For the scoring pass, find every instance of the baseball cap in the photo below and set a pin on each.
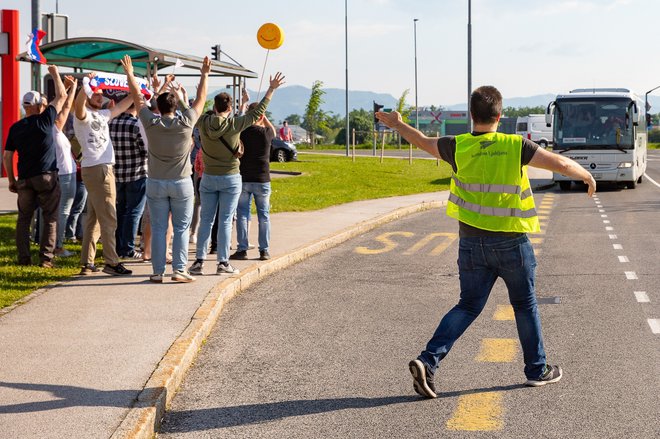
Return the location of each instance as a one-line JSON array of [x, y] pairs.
[[32, 98]]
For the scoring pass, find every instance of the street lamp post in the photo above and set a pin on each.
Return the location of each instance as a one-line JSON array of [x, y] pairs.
[[346, 51], [469, 66], [416, 105]]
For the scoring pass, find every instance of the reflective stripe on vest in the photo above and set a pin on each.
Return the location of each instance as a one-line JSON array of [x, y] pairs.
[[492, 211], [498, 188]]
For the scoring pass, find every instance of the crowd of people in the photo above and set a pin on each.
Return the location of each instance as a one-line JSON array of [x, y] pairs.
[[159, 167]]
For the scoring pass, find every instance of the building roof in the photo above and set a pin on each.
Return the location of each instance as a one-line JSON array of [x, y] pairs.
[[105, 54]]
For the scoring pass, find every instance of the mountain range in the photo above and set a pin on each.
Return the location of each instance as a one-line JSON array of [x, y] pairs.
[[293, 100]]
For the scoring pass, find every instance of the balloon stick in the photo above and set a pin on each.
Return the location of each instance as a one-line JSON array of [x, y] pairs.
[[262, 75]]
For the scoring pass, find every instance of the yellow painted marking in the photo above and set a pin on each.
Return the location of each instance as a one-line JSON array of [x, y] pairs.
[[537, 251], [450, 238], [543, 217], [536, 240], [498, 350], [542, 211], [504, 312], [388, 244], [478, 412]]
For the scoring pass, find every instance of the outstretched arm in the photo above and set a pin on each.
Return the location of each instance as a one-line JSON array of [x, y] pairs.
[[393, 120], [563, 165], [200, 99], [275, 83], [133, 88], [84, 92], [70, 84], [60, 91]]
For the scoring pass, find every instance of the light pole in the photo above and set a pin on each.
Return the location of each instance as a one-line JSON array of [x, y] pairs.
[[346, 51], [469, 55], [36, 67], [646, 103], [416, 105]]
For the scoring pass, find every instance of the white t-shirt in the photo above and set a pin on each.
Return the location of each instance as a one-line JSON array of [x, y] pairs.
[[65, 162], [93, 135]]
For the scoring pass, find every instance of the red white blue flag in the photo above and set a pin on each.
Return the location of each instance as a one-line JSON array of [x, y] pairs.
[[33, 51], [115, 81]]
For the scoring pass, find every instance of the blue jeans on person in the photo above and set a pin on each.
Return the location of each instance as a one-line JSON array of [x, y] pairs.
[[68, 194], [131, 197], [165, 197], [261, 194], [481, 260], [74, 222], [218, 193]]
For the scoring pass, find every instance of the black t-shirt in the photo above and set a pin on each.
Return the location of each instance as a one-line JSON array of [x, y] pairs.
[[447, 151], [255, 163], [32, 138]]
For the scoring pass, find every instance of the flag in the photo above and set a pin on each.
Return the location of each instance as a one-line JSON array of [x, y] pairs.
[[33, 43], [115, 81], [178, 63]]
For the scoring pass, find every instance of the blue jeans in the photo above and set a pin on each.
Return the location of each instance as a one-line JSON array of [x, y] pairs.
[[74, 223], [217, 193], [480, 262], [130, 205], [165, 197], [68, 194], [261, 193]]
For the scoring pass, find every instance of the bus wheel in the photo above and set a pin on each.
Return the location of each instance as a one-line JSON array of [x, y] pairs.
[[565, 185], [631, 184]]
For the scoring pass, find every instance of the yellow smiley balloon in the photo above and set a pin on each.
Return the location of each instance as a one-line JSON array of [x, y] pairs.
[[270, 36]]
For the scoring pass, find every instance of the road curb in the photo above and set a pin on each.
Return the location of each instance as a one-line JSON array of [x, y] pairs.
[[143, 419]]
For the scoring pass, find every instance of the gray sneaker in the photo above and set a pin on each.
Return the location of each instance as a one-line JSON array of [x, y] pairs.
[[197, 267], [182, 276], [552, 374], [422, 379], [88, 269], [226, 269]]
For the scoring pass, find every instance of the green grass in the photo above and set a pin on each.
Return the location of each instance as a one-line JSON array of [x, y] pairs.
[[19, 281], [328, 181], [653, 146]]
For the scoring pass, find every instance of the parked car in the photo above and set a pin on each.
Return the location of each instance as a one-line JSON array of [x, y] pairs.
[[534, 128], [281, 151]]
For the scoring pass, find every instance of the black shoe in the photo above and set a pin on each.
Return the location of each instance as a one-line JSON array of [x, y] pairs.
[[552, 374], [239, 255], [264, 255], [88, 269], [422, 379], [117, 270]]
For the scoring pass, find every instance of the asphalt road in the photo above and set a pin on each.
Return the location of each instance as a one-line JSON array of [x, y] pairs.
[[321, 350]]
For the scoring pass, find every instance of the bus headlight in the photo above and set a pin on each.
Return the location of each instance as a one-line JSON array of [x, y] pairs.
[[625, 165]]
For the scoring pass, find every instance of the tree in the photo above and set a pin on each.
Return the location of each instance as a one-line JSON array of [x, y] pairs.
[[522, 111], [401, 107], [313, 112], [362, 122], [293, 119]]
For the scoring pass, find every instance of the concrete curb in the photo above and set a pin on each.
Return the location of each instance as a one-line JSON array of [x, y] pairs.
[[143, 419]]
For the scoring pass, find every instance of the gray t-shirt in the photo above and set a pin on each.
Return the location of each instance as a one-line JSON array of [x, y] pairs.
[[170, 142]]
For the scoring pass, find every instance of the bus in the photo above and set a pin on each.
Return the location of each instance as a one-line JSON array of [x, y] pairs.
[[604, 130]]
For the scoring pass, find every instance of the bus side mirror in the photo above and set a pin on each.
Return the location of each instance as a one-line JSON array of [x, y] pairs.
[[635, 113], [548, 114]]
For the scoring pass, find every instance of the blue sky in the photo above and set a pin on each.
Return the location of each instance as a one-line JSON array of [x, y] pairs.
[[522, 47]]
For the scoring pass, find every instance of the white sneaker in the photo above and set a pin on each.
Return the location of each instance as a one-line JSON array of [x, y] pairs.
[[226, 269], [193, 239], [182, 276]]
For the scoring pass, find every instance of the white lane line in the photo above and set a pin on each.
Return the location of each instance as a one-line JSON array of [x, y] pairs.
[[609, 229], [651, 180], [655, 325], [613, 237], [617, 246], [631, 275], [641, 296], [603, 216], [623, 259], [601, 210], [606, 221], [600, 206]]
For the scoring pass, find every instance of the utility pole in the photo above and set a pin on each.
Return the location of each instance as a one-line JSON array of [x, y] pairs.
[[416, 105], [469, 78], [36, 67], [346, 52]]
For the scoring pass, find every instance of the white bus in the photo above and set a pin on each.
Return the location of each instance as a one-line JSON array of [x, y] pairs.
[[604, 130]]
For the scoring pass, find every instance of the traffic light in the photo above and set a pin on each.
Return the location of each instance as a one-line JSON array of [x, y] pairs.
[[215, 52], [649, 120], [377, 108]]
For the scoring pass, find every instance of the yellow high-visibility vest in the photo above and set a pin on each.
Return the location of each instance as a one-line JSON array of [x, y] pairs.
[[489, 190]]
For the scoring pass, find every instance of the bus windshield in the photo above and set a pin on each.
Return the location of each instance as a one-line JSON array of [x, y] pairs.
[[593, 123]]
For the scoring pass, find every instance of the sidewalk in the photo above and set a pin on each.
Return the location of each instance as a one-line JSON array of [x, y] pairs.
[[78, 355]]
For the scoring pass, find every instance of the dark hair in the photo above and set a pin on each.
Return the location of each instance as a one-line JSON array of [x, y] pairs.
[[252, 106], [485, 104], [166, 103], [222, 101]]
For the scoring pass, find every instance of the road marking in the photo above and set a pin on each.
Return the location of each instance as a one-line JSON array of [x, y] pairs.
[[655, 325], [641, 296], [504, 312], [451, 237], [543, 217], [623, 259], [613, 237], [606, 221], [388, 244], [478, 412], [601, 210], [651, 180], [536, 240], [603, 216], [498, 350], [608, 228], [617, 246], [631, 275]]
